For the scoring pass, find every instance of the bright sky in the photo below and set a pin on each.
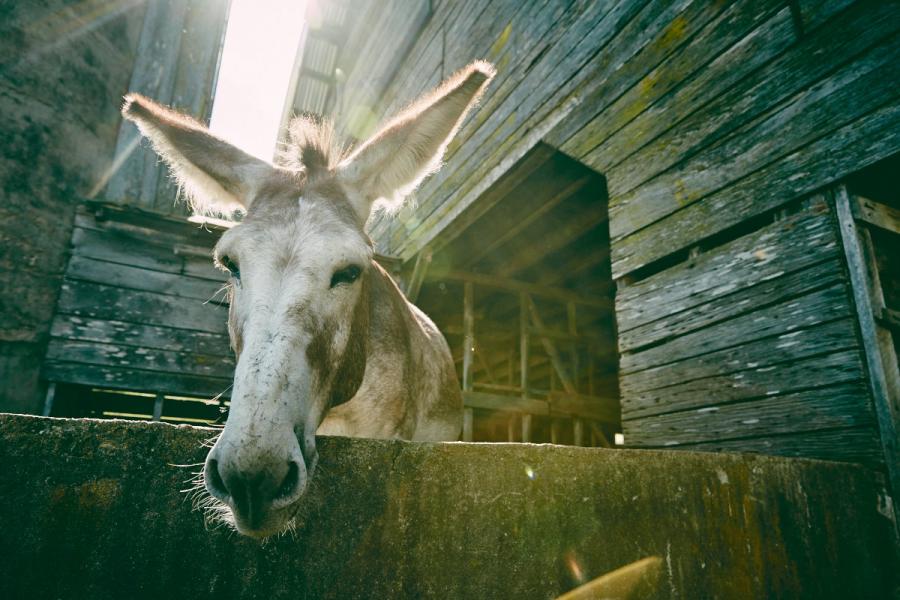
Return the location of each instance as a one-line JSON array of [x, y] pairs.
[[260, 47]]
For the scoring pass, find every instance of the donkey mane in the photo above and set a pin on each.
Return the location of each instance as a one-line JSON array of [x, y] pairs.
[[312, 147]]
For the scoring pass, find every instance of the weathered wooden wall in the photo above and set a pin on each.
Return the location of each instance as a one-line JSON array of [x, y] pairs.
[[706, 118], [141, 308], [177, 63], [64, 66]]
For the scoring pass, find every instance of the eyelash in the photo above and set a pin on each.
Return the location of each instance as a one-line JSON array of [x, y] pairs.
[[232, 267], [347, 275]]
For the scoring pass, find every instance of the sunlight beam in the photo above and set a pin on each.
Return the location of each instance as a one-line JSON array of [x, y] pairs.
[[261, 44]]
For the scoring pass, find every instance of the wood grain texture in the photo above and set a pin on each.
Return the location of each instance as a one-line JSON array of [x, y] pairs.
[[99, 301], [858, 444], [122, 333], [798, 242], [810, 410], [789, 317], [133, 379], [764, 379]]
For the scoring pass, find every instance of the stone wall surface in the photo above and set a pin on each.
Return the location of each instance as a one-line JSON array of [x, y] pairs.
[[93, 509], [64, 67]]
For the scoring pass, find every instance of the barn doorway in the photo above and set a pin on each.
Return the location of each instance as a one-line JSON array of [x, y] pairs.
[[524, 294]]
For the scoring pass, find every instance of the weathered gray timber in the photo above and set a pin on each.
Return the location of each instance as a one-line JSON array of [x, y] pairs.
[[706, 121], [177, 62], [404, 520], [64, 66], [140, 307]]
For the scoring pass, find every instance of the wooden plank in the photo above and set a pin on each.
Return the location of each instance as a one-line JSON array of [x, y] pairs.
[[468, 336], [136, 278], [141, 336], [134, 379], [769, 380], [106, 302], [743, 360], [719, 308], [513, 404], [788, 317], [606, 410], [199, 51], [651, 127], [703, 114], [854, 146], [550, 348], [798, 242], [876, 213], [843, 405], [526, 252], [512, 103], [513, 285], [612, 113], [846, 444], [843, 97], [878, 347], [145, 359], [136, 178], [124, 249]]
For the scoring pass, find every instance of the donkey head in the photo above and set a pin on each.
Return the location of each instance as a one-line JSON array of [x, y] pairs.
[[300, 265]]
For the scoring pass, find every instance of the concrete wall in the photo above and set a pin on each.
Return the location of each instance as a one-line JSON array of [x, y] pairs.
[[64, 66], [92, 509]]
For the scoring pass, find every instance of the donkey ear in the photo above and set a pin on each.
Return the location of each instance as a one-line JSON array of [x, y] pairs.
[[217, 177], [411, 146]]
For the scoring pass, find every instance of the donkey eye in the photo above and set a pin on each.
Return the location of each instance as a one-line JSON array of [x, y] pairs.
[[231, 266], [346, 275]]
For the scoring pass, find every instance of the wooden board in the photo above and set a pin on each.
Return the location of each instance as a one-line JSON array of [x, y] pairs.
[[798, 242], [134, 379], [764, 379], [858, 444], [784, 319], [721, 308], [809, 410], [98, 301], [145, 359], [121, 333], [845, 96], [137, 278]]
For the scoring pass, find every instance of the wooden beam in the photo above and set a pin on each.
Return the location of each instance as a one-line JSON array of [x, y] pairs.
[[877, 346], [595, 408], [514, 285], [550, 347], [468, 424], [876, 213], [511, 232], [469, 336], [423, 260]]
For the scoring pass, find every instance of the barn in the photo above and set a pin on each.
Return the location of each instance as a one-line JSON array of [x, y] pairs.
[[670, 226]]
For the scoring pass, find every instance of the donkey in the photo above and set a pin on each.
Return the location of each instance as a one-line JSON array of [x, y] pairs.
[[325, 341]]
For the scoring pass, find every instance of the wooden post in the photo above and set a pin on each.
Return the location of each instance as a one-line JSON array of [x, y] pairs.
[[572, 318], [875, 343], [158, 407], [468, 425], [468, 335], [523, 365], [526, 427], [49, 398], [578, 431], [423, 260], [554, 431], [550, 347], [468, 351], [511, 428]]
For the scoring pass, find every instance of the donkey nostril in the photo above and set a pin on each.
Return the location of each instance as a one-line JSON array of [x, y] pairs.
[[289, 485], [214, 480]]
